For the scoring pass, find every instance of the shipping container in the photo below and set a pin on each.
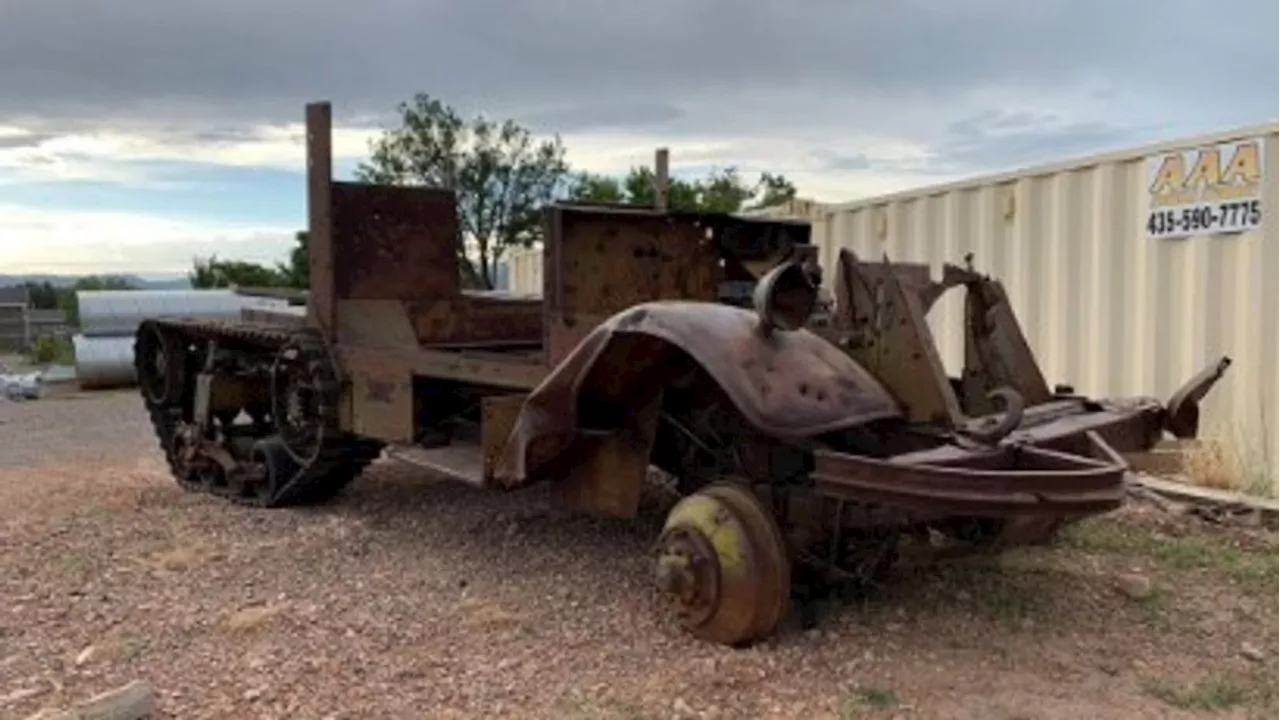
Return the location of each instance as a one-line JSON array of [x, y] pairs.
[[1129, 271], [524, 271]]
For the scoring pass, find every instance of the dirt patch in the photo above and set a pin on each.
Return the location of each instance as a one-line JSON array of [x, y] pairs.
[[409, 597]]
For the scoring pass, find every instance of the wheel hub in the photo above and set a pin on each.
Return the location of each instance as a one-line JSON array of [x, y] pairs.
[[721, 565], [687, 574]]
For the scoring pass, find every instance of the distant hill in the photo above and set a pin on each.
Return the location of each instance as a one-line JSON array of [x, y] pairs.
[[152, 283]]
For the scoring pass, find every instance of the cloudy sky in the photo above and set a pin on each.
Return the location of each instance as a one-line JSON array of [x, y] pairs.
[[135, 134]]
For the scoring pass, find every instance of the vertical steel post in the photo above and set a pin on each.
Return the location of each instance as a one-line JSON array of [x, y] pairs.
[[661, 179], [322, 303]]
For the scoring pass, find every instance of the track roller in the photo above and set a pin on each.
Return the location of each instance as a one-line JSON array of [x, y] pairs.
[[159, 363]]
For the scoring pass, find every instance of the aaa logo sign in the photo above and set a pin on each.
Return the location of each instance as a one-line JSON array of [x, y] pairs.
[[1205, 191]]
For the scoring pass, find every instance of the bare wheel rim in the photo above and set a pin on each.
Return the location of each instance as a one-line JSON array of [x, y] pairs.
[[721, 564]]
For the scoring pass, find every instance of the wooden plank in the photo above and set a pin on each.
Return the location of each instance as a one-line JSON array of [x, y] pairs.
[[1210, 497], [514, 372], [461, 461], [1157, 461]]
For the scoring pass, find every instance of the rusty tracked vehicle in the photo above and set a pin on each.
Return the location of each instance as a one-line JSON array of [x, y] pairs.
[[683, 342]]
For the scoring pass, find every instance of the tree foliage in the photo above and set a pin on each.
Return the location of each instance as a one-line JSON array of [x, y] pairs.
[[722, 190], [47, 296], [215, 273], [297, 272], [502, 175], [503, 178], [212, 272], [42, 295]]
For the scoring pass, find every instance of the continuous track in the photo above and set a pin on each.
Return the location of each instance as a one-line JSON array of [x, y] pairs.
[[257, 465]]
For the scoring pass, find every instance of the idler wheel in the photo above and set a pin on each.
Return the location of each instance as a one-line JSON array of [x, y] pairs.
[[722, 566], [159, 364]]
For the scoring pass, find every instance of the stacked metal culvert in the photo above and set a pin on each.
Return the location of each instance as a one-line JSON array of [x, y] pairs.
[[109, 318]]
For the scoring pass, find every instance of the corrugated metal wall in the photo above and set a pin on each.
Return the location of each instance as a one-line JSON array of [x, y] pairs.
[[524, 271], [1105, 307]]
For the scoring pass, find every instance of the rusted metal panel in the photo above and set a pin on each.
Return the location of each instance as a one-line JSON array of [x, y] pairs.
[[496, 370], [880, 323], [605, 261], [478, 320], [610, 469], [375, 324], [381, 399], [394, 243], [996, 351]]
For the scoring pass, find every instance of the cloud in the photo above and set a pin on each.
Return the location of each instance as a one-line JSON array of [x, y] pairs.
[[225, 80], [86, 242], [163, 158], [242, 60], [124, 155], [848, 98]]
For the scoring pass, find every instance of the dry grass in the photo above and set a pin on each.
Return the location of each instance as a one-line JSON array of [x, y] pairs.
[[1231, 461], [184, 556], [1211, 464], [486, 616]]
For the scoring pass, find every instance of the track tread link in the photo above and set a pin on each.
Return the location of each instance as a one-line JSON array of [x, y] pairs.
[[342, 457]]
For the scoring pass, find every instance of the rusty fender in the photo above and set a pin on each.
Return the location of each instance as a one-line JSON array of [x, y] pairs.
[[786, 384], [1062, 461], [1007, 480]]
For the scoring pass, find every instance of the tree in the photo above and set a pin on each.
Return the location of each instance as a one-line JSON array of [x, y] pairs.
[[501, 175], [43, 295], [774, 189], [215, 273], [598, 188], [297, 272], [722, 190]]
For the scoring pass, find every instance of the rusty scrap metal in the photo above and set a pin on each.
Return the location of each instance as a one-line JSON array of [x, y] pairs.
[[801, 445]]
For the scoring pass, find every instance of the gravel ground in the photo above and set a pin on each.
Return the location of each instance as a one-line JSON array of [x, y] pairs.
[[409, 597]]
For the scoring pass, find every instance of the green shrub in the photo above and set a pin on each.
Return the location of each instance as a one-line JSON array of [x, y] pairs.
[[49, 349]]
